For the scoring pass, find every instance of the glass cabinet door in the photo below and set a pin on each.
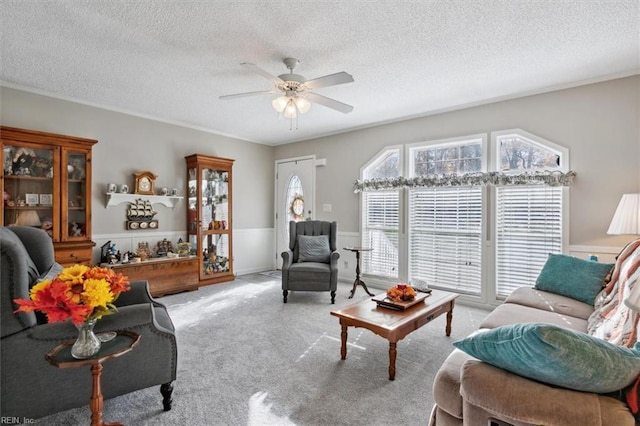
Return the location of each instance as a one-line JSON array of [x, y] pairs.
[[192, 205], [208, 218], [215, 217], [30, 189], [76, 196]]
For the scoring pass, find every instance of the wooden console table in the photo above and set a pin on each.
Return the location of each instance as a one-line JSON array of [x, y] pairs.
[[165, 275]]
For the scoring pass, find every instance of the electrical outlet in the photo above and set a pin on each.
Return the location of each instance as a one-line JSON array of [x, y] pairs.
[[346, 263]]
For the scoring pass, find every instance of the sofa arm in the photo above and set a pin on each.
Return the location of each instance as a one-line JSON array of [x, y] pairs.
[[490, 392], [287, 259]]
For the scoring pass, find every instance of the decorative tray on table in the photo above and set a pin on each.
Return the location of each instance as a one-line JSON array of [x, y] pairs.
[[384, 301]]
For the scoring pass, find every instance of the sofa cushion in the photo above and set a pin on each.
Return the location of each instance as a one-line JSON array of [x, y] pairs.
[[313, 248], [573, 277], [546, 301], [556, 355], [509, 313]]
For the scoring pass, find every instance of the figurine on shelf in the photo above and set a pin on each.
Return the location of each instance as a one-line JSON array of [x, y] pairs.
[[76, 230], [46, 225], [76, 169], [22, 161], [143, 251]]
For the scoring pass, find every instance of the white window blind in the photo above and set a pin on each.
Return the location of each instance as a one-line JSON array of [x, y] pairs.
[[380, 231], [528, 228], [445, 229]]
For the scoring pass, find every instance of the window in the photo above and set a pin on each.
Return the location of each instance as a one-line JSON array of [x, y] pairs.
[[461, 220], [445, 223], [381, 218], [529, 217]]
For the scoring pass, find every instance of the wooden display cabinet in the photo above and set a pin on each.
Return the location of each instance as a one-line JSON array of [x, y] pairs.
[[46, 183], [209, 216]]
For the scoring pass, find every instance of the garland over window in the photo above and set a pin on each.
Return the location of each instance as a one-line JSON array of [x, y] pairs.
[[550, 178]]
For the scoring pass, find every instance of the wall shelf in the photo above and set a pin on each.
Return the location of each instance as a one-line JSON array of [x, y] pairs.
[[115, 198]]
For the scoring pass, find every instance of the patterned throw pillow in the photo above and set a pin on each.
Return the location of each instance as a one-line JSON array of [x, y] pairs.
[[557, 356], [313, 248]]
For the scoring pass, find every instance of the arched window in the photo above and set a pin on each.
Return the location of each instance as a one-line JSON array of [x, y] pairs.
[[529, 218], [381, 217], [294, 202]]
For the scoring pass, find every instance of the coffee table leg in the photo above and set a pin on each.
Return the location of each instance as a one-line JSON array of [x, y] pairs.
[[392, 360], [449, 318], [343, 347]]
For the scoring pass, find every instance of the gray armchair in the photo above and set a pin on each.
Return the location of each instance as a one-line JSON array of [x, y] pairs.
[[311, 263], [31, 387]]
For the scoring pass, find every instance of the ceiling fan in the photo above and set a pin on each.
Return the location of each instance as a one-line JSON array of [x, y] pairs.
[[296, 91]]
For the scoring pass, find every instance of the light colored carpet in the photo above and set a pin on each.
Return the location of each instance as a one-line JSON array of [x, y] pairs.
[[246, 358], [272, 274]]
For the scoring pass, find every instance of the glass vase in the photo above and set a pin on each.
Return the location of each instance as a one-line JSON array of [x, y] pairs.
[[87, 343]]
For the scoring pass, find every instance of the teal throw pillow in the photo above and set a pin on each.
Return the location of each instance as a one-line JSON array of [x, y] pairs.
[[557, 356], [313, 248], [573, 277]]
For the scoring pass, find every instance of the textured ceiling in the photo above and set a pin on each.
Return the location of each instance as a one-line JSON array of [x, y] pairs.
[[171, 60]]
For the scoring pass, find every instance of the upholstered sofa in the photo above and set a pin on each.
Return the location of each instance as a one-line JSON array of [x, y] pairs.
[[468, 391], [31, 387]]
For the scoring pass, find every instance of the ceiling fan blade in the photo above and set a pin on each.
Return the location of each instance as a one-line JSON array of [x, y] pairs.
[[328, 102], [242, 95], [258, 70], [329, 80]]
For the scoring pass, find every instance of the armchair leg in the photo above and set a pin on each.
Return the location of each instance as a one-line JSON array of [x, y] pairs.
[[333, 297], [285, 293], [166, 390]]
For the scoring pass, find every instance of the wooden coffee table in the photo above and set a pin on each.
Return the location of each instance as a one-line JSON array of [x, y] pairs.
[[392, 324]]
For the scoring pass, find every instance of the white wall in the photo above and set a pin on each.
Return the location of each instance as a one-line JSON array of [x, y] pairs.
[[128, 144], [599, 123]]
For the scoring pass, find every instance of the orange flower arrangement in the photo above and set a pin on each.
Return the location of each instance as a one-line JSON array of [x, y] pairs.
[[78, 292], [401, 293]]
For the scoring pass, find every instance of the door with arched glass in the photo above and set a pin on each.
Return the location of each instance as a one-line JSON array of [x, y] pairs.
[[295, 188]]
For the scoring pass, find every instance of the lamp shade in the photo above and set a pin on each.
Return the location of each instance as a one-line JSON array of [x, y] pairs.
[[626, 219], [302, 104], [28, 218], [280, 103], [290, 111]]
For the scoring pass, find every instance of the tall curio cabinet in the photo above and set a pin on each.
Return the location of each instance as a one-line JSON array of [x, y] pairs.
[[209, 216], [46, 183]]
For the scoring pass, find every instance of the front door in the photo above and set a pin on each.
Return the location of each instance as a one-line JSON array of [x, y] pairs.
[[295, 193]]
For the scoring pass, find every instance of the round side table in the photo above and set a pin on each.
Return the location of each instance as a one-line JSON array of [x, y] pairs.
[[358, 281], [60, 356]]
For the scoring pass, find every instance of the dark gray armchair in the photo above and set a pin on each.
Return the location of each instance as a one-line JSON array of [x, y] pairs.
[[31, 387], [311, 263]]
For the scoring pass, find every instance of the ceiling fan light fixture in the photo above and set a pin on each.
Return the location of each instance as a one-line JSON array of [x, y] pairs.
[[280, 103], [302, 104], [290, 111]]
